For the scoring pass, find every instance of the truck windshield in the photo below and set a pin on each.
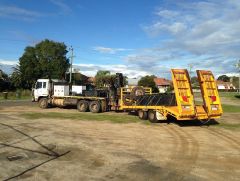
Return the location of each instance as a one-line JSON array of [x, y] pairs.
[[39, 85]]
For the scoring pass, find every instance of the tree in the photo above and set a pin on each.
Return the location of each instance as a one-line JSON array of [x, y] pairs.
[[46, 59], [104, 78], [224, 78], [4, 81], [16, 78], [148, 81], [194, 82], [235, 81]]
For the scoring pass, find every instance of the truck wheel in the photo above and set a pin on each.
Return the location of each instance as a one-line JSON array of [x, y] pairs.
[[82, 106], [95, 107], [142, 114], [43, 103], [152, 116]]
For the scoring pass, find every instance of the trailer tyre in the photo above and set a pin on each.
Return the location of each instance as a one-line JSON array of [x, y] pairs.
[[43, 103], [82, 106], [95, 107], [152, 116], [142, 114]]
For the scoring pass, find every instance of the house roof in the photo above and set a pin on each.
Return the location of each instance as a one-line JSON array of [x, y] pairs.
[[227, 85], [162, 81], [220, 82], [91, 79]]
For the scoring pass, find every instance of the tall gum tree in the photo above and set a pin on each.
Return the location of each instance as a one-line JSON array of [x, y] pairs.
[[46, 59]]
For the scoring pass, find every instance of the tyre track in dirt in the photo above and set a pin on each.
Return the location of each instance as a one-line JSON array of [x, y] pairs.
[[187, 148], [227, 138]]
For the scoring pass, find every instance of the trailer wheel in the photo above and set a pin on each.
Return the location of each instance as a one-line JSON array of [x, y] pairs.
[[142, 114], [43, 103], [82, 106], [152, 116], [95, 107]]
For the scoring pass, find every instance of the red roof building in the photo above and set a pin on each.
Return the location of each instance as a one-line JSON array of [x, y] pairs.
[[221, 85], [162, 84]]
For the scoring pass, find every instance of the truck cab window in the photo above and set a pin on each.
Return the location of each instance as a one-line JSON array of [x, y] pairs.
[[44, 84], [39, 85]]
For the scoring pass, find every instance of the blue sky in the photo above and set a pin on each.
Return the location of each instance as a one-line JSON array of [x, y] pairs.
[[136, 37]]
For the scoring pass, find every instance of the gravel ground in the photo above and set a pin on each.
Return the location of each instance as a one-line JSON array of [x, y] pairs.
[[111, 151]]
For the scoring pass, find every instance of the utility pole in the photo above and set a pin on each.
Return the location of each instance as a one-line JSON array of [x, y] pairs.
[[190, 69], [71, 58], [238, 67]]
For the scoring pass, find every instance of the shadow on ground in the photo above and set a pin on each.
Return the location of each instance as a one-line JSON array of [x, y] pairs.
[[186, 123]]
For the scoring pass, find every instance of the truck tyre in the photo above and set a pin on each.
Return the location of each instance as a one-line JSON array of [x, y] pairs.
[[95, 107], [82, 106], [43, 103], [142, 114], [152, 116]]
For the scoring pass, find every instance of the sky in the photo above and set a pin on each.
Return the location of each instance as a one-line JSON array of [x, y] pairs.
[[136, 37]]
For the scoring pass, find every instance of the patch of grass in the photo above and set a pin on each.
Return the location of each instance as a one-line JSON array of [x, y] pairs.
[[228, 126], [15, 98], [231, 95], [17, 95], [83, 116], [230, 108]]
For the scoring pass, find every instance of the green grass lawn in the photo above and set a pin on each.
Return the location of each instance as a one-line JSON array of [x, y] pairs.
[[15, 98], [24, 94], [230, 108], [84, 116], [231, 95], [229, 126]]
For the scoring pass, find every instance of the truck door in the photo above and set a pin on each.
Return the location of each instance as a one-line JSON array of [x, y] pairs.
[[41, 89]]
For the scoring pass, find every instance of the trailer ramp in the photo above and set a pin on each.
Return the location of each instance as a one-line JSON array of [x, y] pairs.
[[184, 96], [211, 100], [186, 108]]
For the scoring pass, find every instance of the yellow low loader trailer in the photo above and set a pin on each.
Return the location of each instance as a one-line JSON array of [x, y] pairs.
[[185, 108]]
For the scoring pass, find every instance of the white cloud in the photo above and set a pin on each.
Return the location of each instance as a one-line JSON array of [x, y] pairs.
[[108, 50], [91, 70], [8, 62], [167, 13], [200, 27], [205, 34], [62, 5], [160, 28], [14, 12]]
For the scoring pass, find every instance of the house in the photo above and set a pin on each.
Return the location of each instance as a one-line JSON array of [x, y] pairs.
[[79, 78], [225, 86], [162, 84]]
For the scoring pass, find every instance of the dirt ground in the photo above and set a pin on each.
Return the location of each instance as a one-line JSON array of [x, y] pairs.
[[110, 151]]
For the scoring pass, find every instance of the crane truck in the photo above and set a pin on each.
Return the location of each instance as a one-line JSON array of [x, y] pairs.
[[154, 107]]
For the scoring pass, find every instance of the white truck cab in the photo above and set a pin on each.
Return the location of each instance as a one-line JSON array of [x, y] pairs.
[[41, 89], [46, 88]]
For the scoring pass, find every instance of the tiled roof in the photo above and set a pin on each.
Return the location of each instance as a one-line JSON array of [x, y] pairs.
[[220, 82], [162, 81]]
